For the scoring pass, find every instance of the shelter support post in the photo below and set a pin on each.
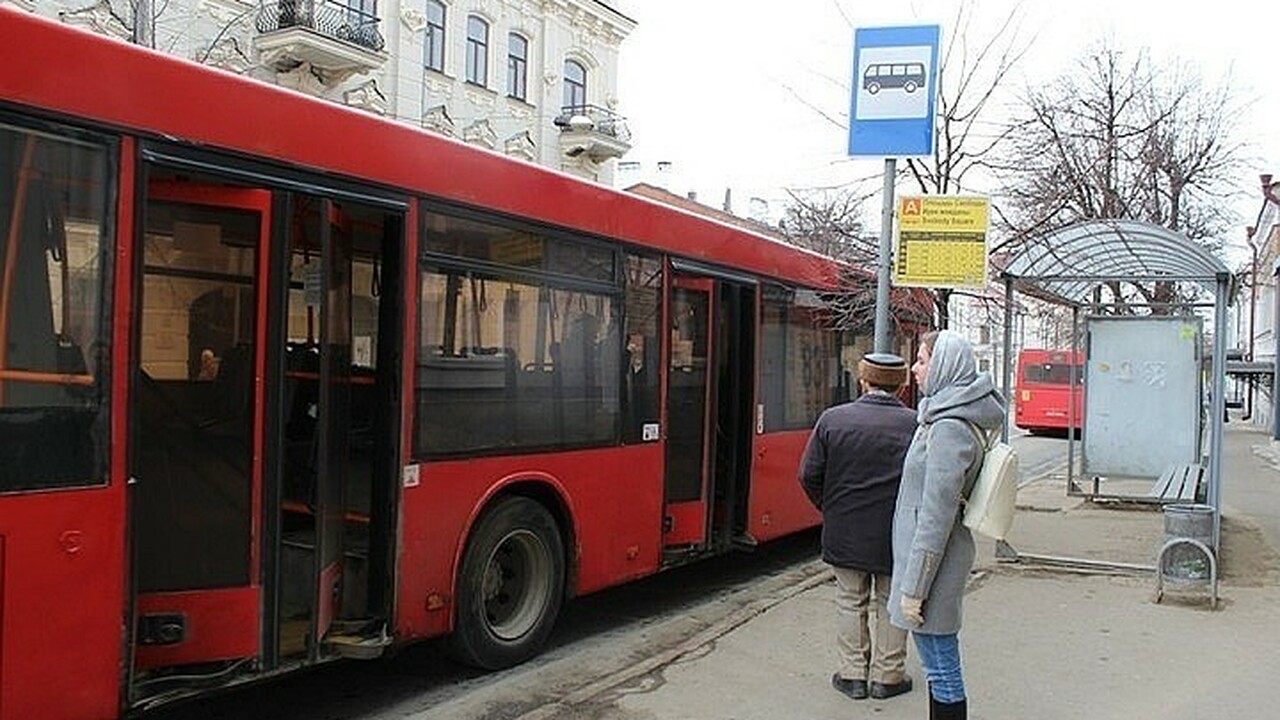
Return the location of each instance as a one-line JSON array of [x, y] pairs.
[[1275, 377], [1073, 437], [1223, 296], [1006, 381]]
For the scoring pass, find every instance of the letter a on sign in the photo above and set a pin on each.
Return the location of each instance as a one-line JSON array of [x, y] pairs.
[[911, 206]]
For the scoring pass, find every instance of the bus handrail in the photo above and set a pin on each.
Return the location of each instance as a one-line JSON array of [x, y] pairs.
[[48, 378]]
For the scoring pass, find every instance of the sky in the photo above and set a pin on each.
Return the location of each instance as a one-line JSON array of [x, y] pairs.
[[754, 96]]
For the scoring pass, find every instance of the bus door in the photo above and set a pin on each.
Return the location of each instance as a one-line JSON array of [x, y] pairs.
[[195, 453], [711, 364], [689, 394], [734, 362], [338, 426]]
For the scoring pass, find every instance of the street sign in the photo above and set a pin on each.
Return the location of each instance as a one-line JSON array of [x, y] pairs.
[[942, 241], [895, 73]]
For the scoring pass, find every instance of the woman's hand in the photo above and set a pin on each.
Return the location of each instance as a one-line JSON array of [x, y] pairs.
[[913, 609]]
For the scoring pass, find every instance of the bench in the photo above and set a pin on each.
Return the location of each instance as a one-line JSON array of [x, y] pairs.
[[1179, 483]]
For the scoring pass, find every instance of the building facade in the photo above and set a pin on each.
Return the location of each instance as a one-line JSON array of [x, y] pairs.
[[534, 79]]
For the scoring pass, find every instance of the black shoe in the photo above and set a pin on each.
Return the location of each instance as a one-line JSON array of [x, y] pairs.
[[856, 689], [881, 691], [948, 711]]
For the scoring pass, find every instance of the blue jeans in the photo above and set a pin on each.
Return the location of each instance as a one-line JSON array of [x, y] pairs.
[[940, 658]]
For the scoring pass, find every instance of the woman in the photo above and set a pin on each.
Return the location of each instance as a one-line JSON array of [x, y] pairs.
[[932, 550]]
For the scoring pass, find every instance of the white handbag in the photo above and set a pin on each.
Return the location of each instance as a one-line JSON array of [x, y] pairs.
[[990, 503]]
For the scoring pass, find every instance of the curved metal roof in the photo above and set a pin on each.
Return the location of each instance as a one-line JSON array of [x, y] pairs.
[[1067, 263]]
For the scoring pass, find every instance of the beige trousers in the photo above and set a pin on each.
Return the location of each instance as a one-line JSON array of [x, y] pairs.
[[869, 649]]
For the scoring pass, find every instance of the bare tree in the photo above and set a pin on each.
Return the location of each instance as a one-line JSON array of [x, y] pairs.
[[1122, 137], [830, 222], [974, 68]]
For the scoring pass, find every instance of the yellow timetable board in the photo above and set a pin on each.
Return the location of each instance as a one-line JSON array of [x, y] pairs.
[[942, 241]]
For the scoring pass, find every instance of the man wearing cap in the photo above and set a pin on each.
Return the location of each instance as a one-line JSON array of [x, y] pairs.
[[850, 471]]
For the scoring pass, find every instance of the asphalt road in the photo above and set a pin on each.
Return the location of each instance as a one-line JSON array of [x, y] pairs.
[[1039, 455], [621, 625]]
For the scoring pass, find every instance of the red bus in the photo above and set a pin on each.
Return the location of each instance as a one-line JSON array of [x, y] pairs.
[[282, 382], [1045, 393]]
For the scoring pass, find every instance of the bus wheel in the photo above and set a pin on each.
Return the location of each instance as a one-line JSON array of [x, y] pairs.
[[510, 586], [909, 86], [873, 88]]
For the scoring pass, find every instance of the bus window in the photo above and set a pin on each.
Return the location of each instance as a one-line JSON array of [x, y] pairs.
[[53, 252], [512, 359], [640, 387], [1052, 373], [801, 362]]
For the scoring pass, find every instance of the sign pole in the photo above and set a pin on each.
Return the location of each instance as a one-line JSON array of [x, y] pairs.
[[884, 265]]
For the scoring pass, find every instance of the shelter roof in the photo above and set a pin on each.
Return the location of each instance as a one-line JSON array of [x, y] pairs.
[[1066, 264]]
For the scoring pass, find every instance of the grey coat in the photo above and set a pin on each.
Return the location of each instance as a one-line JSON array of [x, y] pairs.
[[932, 550]]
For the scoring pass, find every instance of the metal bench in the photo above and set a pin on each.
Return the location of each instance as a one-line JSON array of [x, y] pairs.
[[1179, 483]]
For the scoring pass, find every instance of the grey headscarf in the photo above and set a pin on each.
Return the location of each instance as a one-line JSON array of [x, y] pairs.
[[953, 379]]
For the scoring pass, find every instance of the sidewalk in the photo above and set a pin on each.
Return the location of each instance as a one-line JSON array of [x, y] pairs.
[[1037, 643]]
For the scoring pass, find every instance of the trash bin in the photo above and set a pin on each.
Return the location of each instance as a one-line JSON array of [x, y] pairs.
[[1185, 561]]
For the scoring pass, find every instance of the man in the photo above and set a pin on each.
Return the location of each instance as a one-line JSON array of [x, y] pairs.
[[850, 471]]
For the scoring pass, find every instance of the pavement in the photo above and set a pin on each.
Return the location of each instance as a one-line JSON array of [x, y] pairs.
[[1041, 640]]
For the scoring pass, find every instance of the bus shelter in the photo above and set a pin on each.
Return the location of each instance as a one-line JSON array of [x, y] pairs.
[[1072, 266]]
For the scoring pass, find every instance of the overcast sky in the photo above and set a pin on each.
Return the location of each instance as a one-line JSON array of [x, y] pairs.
[[754, 96]]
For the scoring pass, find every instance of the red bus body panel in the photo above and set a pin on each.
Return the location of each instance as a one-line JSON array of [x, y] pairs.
[[778, 505], [63, 604], [608, 493]]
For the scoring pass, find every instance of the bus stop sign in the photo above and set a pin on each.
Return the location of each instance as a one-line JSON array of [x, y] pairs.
[[895, 73]]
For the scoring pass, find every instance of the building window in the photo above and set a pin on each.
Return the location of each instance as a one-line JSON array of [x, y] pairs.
[[435, 36], [477, 51], [575, 84], [517, 66]]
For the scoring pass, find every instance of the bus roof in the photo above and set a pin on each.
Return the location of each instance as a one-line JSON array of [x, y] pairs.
[[108, 82]]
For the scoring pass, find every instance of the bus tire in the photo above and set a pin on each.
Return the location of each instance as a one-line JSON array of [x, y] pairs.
[[510, 585]]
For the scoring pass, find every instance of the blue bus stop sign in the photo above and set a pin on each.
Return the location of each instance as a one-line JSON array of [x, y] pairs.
[[895, 78]]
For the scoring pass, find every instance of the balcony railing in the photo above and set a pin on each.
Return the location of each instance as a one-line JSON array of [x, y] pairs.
[[602, 120], [327, 18]]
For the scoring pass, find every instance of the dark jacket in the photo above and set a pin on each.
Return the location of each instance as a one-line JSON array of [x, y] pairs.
[[850, 471]]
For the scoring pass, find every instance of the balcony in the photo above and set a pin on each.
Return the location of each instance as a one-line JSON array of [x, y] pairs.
[[335, 40], [592, 132]]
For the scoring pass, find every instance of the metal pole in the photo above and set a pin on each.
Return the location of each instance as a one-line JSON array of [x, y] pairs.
[[1275, 357], [1219, 407], [1072, 436], [144, 23], [884, 263], [1006, 381]]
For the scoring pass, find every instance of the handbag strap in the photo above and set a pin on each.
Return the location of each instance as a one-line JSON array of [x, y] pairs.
[[975, 467], [971, 477]]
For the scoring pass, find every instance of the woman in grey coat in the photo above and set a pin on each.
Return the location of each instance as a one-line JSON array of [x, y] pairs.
[[932, 550]]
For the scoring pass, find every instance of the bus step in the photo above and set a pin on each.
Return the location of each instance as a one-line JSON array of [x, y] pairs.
[[350, 642], [745, 541]]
